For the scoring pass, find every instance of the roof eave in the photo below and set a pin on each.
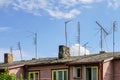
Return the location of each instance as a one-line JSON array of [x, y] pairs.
[[82, 63]]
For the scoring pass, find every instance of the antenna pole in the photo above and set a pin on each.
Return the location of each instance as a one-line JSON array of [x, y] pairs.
[[114, 26], [35, 42], [85, 45], [11, 50], [19, 47], [66, 30], [65, 34], [102, 30], [79, 38], [101, 40]]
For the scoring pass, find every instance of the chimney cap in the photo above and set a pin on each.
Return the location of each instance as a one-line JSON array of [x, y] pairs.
[[34, 58], [102, 52]]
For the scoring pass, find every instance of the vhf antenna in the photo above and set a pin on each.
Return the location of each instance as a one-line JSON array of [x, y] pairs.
[[79, 38], [19, 48], [66, 30], [101, 36]]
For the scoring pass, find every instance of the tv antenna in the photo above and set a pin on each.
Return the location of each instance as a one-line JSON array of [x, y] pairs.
[[35, 41], [114, 29], [85, 45], [35, 36], [19, 48], [78, 27], [101, 36], [66, 30]]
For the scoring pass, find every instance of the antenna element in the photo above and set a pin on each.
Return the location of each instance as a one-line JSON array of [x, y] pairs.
[[66, 30], [102, 31]]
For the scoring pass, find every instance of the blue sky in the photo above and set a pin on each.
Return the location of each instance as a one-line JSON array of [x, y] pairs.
[[19, 19]]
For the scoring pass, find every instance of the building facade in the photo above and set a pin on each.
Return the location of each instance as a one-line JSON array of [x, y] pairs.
[[102, 66]]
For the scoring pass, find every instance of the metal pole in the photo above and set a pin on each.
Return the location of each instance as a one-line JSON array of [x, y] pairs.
[[101, 40], [35, 42], [79, 37], [19, 46], [65, 34], [66, 31], [114, 25], [11, 50]]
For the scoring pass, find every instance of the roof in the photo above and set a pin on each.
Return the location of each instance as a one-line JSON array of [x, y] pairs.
[[72, 60], [97, 58]]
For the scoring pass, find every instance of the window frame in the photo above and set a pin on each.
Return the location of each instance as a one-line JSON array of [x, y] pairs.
[[92, 67], [75, 72], [34, 72], [62, 70]]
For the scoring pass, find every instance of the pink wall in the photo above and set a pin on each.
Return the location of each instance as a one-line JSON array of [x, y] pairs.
[[45, 71], [17, 72], [107, 70], [71, 73], [117, 70]]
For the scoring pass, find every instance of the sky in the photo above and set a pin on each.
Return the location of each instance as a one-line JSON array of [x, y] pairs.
[[21, 19]]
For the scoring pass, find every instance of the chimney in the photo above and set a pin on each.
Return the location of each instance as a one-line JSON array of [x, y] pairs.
[[8, 58], [64, 52], [102, 52]]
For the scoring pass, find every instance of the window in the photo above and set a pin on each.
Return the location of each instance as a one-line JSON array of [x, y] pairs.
[[92, 73], [77, 72], [33, 75], [60, 74]]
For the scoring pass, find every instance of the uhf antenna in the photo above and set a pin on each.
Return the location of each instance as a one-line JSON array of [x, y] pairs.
[[114, 29], [79, 38], [101, 36], [19, 48], [66, 30]]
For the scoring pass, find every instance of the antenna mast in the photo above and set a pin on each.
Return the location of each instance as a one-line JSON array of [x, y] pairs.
[[35, 43], [114, 29], [19, 48], [11, 50], [79, 38], [101, 36], [85, 45], [66, 30]]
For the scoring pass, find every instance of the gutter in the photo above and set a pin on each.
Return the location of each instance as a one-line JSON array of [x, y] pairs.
[[12, 67], [82, 63], [16, 66]]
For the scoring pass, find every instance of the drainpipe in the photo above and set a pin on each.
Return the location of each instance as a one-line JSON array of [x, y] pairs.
[[101, 66], [113, 70]]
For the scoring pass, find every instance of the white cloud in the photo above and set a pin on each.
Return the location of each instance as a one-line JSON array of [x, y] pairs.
[[60, 14], [114, 3], [69, 3], [3, 29], [57, 9], [5, 2], [75, 50], [89, 1]]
